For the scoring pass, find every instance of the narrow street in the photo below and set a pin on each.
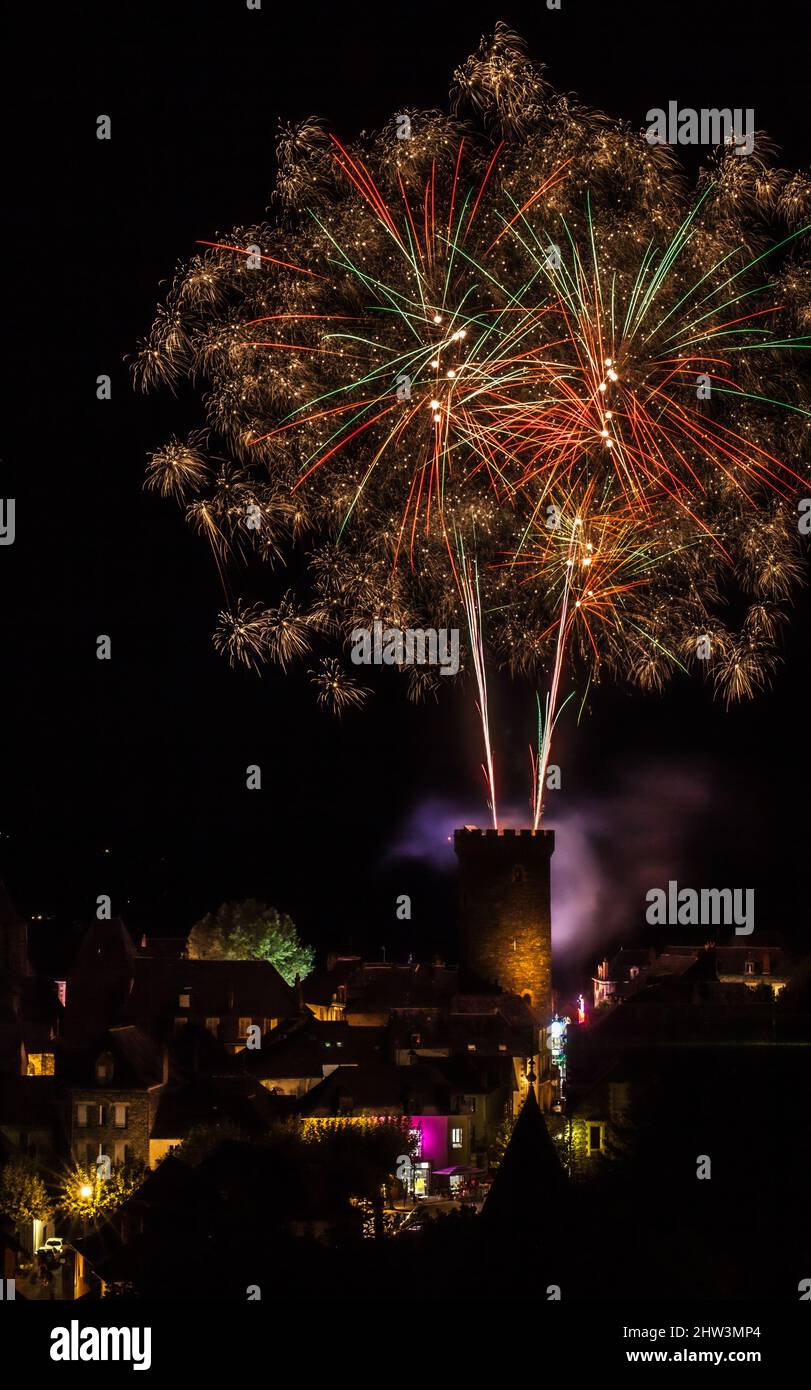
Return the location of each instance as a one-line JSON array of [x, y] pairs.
[[60, 1288]]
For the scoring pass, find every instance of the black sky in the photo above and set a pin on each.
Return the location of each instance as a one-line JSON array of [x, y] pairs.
[[145, 755]]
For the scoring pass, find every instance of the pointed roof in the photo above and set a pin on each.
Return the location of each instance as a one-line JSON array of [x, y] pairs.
[[13, 939], [105, 944], [529, 1175], [9, 916]]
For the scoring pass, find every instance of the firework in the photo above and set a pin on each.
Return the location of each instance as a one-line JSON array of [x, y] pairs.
[[336, 690], [466, 323], [469, 584]]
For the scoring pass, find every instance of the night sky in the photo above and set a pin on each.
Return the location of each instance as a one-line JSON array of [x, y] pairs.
[[144, 756]]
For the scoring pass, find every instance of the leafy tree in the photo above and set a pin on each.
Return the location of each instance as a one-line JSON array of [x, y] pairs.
[[204, 1139], [23, 1194], [251, 930], [359, 1160], [86, 1193], [501, 1139]]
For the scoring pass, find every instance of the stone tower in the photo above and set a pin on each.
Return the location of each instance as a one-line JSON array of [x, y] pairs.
[[505, 925]]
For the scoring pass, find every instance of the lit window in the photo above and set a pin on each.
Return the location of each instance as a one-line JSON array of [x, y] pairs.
[[81, 1115], [213, 1026], [244, 1025], [120, 1116], [40, 1064], [749, 967], [456, 1137], [184, 1001], [471, 1047]]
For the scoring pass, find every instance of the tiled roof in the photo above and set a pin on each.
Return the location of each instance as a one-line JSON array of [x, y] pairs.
[[379, 1089], [216, 987], [376, 987], [137, 1061], [306, 1050], [239, 1102]]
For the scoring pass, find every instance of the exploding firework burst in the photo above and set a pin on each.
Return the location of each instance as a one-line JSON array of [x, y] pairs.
[[336, 690], [465, 324]]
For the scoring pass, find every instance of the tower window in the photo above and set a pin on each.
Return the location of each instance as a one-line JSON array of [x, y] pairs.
[[595, 1139]]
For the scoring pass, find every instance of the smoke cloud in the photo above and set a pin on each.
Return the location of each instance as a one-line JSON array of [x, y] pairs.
[[610, 848]]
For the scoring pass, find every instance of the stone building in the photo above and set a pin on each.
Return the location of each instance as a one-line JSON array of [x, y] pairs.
[[111, 1095]]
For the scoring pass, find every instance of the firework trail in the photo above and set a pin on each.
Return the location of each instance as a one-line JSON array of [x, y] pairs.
[[471, 594], [547, 724]]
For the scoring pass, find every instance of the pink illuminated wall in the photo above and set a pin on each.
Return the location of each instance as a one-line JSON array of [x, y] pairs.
[[434, 1137]]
